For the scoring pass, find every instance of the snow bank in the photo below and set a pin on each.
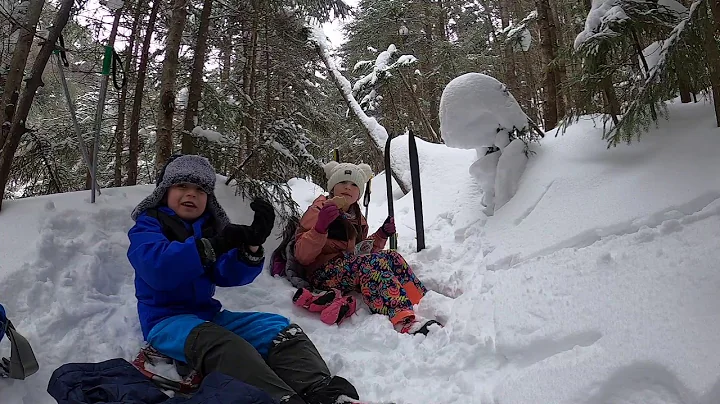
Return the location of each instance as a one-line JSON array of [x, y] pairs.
[[607, 191]]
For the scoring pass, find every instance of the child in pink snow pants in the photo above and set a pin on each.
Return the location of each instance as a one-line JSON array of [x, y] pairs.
[[325, 246]]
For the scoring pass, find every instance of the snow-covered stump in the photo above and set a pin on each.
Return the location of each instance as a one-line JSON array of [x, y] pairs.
[[478, 112]]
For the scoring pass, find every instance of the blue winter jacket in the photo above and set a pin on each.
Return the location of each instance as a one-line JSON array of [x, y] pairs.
[[170, 278]]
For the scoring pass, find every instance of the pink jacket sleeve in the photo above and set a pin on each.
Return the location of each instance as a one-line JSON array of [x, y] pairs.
[[379, 241], [308, 242]]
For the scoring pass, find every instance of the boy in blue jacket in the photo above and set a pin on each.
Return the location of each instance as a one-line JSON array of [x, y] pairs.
[[182, 246]]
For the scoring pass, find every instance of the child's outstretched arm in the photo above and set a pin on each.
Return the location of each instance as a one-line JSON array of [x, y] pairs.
[[162, 264]]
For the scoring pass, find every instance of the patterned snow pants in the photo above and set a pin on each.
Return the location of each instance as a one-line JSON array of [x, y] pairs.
[[385, 280]]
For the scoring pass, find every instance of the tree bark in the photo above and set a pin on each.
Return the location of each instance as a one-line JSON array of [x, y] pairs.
[[13, 82], [132, 170], [712, 60], [196, 79], [715, 8], [249, 84], [549, 47], [509, 63], [430, 78], [684, 86], [122, 104], [18, 127], [164, 137], [558, 65]]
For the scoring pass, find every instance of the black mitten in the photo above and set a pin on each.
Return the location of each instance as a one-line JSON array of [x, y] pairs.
[[263, 222], [232, 236]]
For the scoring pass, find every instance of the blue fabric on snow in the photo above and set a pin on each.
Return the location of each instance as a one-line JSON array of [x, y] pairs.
[[3, 322], [116, 381], [169, 335], [259, 329], [170, 279]]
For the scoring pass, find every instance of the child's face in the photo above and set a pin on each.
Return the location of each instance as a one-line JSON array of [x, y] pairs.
[[187, 200], [348, 190]]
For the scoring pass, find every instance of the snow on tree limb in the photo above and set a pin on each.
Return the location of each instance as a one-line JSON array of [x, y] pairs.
[[376, 131]]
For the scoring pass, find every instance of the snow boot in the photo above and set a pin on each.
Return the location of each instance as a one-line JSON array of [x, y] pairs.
[[332, 305], [314, 302], [341, 308], [331, 391], [294, 358]]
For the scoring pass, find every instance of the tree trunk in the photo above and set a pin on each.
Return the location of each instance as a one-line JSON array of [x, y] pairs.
[[196, 79], [508, 62], [431, 88], [715, 8], [268, 74], [684, 85], [132, 170], [122, 104], [11, 89], [18, 127], [712, 58], [249, 83], [558, 65], [164, 137], [613, 105], [442, 21], [226, 50], [547, 34]]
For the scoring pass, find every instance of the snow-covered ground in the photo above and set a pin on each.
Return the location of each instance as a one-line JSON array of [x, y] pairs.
[[597, 283]]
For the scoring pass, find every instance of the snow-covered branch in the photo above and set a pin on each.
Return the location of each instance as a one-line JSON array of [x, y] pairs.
[[376, 131]]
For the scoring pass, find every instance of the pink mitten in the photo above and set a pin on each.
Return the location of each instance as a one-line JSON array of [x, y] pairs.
[[327, 215]]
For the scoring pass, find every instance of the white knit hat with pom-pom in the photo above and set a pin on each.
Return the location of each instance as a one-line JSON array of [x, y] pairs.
[[338, 172]]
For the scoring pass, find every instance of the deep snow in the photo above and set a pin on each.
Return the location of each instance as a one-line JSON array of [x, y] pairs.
[[596, 283]]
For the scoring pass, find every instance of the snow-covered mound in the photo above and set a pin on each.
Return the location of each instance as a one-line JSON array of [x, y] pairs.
[[478, 112], [474, 109], [596, 283]]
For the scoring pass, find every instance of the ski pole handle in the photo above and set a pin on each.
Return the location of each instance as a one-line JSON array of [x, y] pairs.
[[107, 61]]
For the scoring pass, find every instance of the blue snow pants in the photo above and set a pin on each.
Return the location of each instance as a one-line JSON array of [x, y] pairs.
[[257, 328]]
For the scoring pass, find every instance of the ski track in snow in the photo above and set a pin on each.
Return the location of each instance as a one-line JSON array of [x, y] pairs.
[[669, 220], [534, 205]]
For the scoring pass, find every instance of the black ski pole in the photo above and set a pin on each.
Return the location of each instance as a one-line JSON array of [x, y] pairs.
[[417, 193], [366, 197], [388, 184]]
